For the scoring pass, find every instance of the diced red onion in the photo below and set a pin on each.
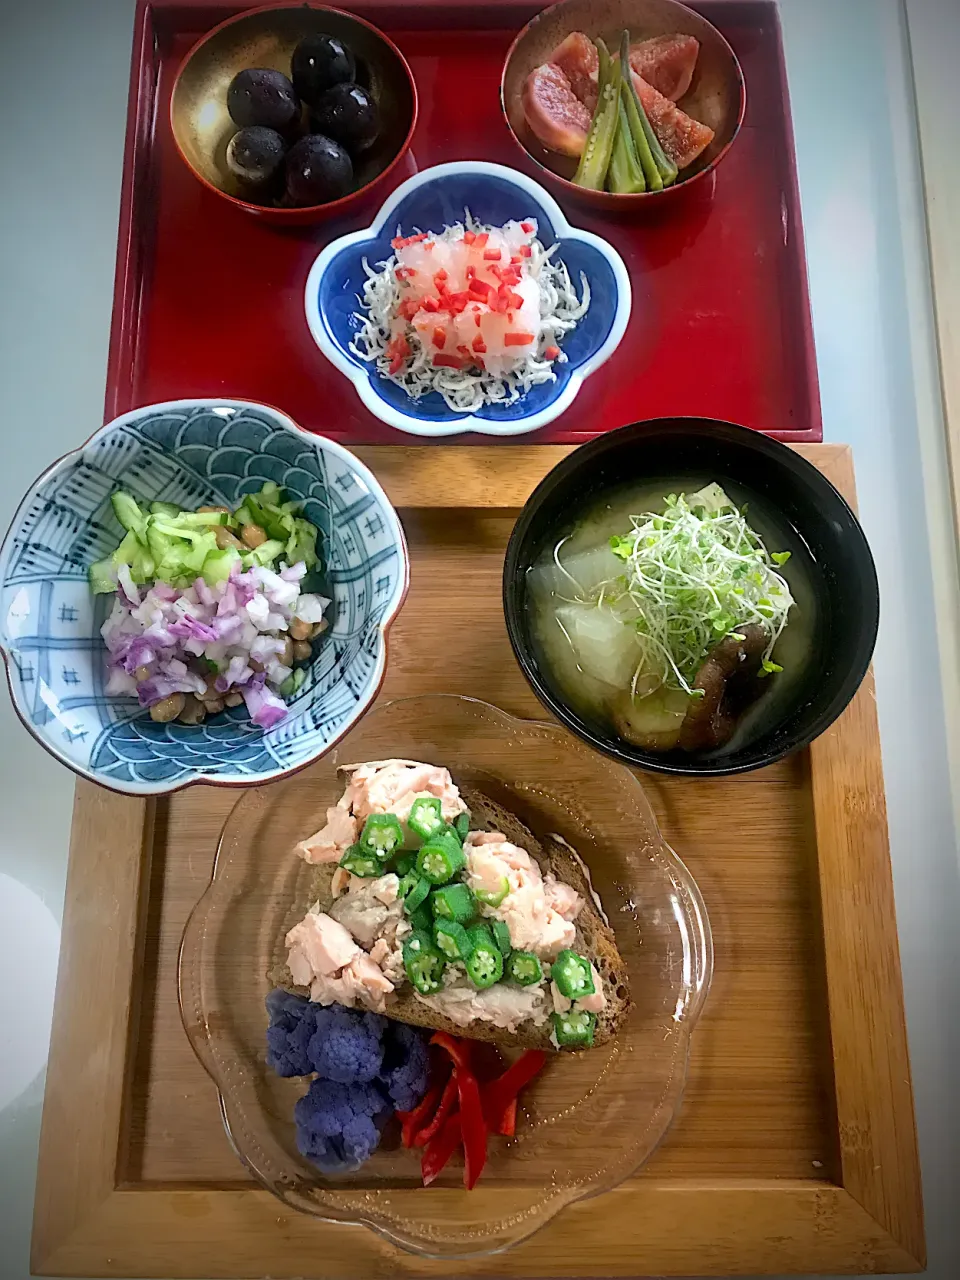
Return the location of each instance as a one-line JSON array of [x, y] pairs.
[[309, 608], [126, 585], [242, 620]]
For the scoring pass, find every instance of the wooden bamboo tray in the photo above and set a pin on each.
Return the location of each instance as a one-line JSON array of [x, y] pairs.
[[795, 1149]]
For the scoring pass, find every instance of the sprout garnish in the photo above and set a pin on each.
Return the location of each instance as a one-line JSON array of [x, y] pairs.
[[695, 574]]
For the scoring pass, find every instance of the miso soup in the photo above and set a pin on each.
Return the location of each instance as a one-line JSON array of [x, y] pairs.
[[626, 635]]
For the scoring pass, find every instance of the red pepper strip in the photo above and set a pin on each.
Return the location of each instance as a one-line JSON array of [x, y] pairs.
[[430, 304], [411, 1122], [525, 251], [448, 1104], [443, 361], [480, 241], [498, 1094], [551, 353], [473, 1126], [401, 242], [526, 227], [517, 339], [459, 1050], [439, 1149], [476, 318], [508, 1124], [439, 336]]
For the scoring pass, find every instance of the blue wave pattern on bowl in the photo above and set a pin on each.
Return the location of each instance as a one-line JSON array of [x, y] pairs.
[[190, 455], [493, 196]]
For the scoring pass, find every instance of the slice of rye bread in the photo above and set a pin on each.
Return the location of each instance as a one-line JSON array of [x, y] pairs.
[[595, 939]]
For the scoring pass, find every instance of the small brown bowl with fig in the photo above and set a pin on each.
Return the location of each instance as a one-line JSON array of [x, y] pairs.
[[622, 104]]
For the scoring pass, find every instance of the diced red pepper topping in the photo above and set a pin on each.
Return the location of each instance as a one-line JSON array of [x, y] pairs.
[[457, 302], [430, 304], [480, 241], [440, 277], [439, 337], [491, 255], [476, 318], [478, 361], [397, 349], [526, 228], [405, 273], [525, 251], [479, 344], [401, 242], [551, 353], [514, 300], [517, 339], [443, 361], [515, 260], [471, 271], [469, 237], [408, 308], [481, 289]]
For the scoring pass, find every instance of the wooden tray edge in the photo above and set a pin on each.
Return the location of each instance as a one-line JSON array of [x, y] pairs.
[[664, 1228], [84, 1225]]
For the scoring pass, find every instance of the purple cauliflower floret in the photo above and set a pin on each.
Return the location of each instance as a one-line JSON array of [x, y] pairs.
[[347, 1046], [339, 1125], [406, 1066], [285, 1008], [292, 1024]]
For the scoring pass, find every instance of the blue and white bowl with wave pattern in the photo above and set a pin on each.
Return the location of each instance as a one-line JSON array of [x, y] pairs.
[[428, 202], [191, 452]]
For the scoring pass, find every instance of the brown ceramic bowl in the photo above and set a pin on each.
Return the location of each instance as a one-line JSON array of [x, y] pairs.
[[717, 96], [267, 37]]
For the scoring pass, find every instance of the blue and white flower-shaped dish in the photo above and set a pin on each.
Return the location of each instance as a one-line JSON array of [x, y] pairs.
[[191, 452], [428, 202]]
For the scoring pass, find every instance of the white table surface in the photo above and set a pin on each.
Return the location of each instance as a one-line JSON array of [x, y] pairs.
[[63, 85]]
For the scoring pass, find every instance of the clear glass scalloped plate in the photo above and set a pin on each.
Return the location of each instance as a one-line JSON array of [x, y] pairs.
[[589, 1120]]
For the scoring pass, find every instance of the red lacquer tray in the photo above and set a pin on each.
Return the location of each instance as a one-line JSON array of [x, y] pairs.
[[208, 299]]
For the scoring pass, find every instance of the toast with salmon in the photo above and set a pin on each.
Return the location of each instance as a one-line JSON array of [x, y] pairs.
[[595, 939]]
